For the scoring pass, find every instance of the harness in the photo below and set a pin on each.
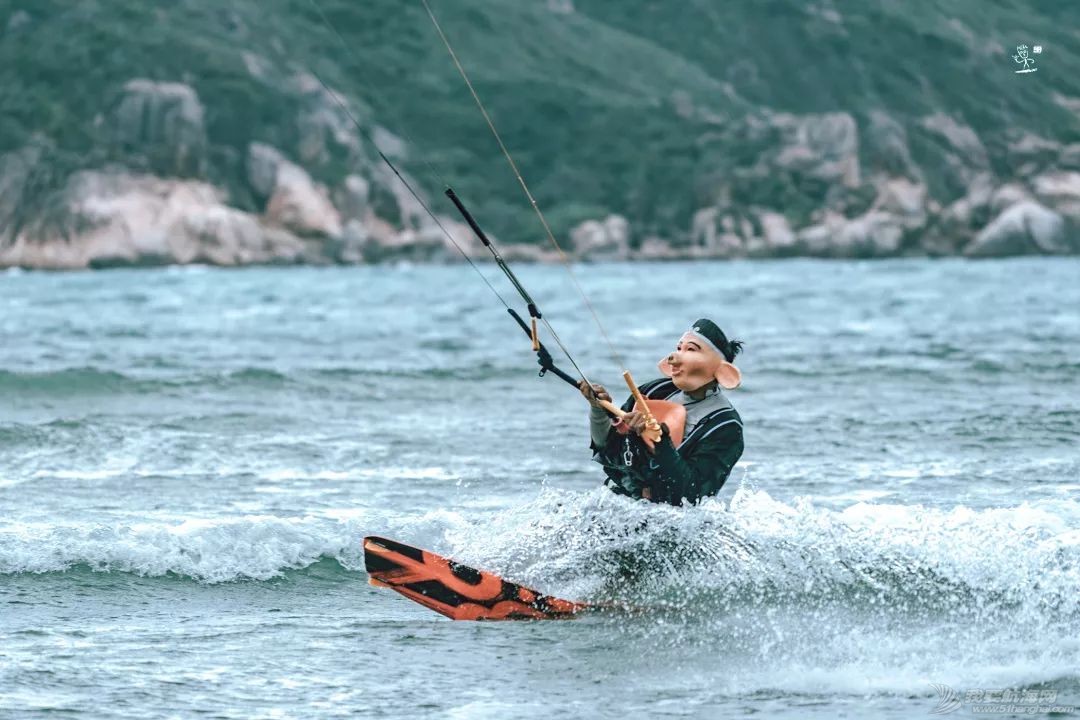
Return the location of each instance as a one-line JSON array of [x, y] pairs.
[[634, 463]]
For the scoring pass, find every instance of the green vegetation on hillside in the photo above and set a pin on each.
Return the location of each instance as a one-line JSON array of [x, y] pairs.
[[616, 107]]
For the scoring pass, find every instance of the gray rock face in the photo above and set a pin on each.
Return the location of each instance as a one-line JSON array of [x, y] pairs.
[[293, 200], [887, 146], [380, 242], [164, 123], [959, 138], [607, 240], [825, 147], [778, 235], [353, 198], [263, 162], [325, 122], [1060, 190], [121, 219], [1026, 228], [873, 235], [711, 235], [960, 155]]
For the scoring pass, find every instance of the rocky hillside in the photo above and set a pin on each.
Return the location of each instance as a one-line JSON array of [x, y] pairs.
[[197, 131]]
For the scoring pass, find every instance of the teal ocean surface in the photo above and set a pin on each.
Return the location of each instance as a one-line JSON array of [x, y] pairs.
[[189, 458]]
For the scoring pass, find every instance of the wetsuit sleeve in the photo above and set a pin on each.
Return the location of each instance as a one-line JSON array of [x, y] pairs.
[[704, 471], [599, 426]]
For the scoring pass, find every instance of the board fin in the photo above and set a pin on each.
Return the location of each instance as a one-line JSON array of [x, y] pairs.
[[458, 591]]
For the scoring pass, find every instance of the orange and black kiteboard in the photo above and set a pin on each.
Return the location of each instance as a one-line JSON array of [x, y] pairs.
[[458, 591]]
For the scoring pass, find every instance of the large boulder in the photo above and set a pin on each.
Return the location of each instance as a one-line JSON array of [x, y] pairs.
[[1069, 159], [295, 201], [957, 153], [353, 198], [656, 248], [887, 147], [1029, 153], [958, 138], [776, 234], [714, 235], [875, 234], [163, 123], [606, 240], [300, 205], [107, 219], [956, 225], [1026, 228], [325, 122], [378, 241], [1006, 196], [903, 199], [1060, 191], [263, 162]]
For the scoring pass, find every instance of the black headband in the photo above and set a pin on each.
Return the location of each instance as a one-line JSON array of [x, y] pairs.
[[708, 330]]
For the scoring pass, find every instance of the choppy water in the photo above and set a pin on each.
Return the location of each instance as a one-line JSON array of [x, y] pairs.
[[190, 457]]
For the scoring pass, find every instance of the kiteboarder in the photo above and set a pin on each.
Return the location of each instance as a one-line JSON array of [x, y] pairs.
[[712, 439]]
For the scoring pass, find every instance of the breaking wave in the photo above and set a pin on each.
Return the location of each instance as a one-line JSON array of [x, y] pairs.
[[1019, 562]]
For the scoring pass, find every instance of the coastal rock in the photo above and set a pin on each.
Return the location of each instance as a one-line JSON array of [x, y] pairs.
[[824, 147], [1006, 196], [377, 241], [1032, 152], [1069, 159], [111, 219], [520, 252], [325, 122], [607, 240], [959, 154], [887, 147], [904, 200], [1060, 191], [958, 138], [263, 162], [296, 201], [819, 239], [713, 235], [1026, 228], [389, 198], [873, 235], [348, 248], [353, 198], [163, 123], [655, 248], [779, 238]]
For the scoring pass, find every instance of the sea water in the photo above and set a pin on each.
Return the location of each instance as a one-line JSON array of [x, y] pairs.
[[190, 457]]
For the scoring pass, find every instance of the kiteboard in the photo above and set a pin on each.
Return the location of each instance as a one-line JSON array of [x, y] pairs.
[[458, 591]]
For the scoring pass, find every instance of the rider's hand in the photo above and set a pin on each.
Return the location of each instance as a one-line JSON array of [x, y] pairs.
[[636, 421], [597, 390]]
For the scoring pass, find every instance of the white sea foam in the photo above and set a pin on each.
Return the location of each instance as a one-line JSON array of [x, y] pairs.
[[212, 549], [253, 546], [1022, 560]]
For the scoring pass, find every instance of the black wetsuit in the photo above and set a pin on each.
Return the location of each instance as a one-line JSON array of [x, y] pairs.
[[698, 468]]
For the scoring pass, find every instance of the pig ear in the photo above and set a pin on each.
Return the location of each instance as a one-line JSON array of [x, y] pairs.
[[665, 366], [728, 376]]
